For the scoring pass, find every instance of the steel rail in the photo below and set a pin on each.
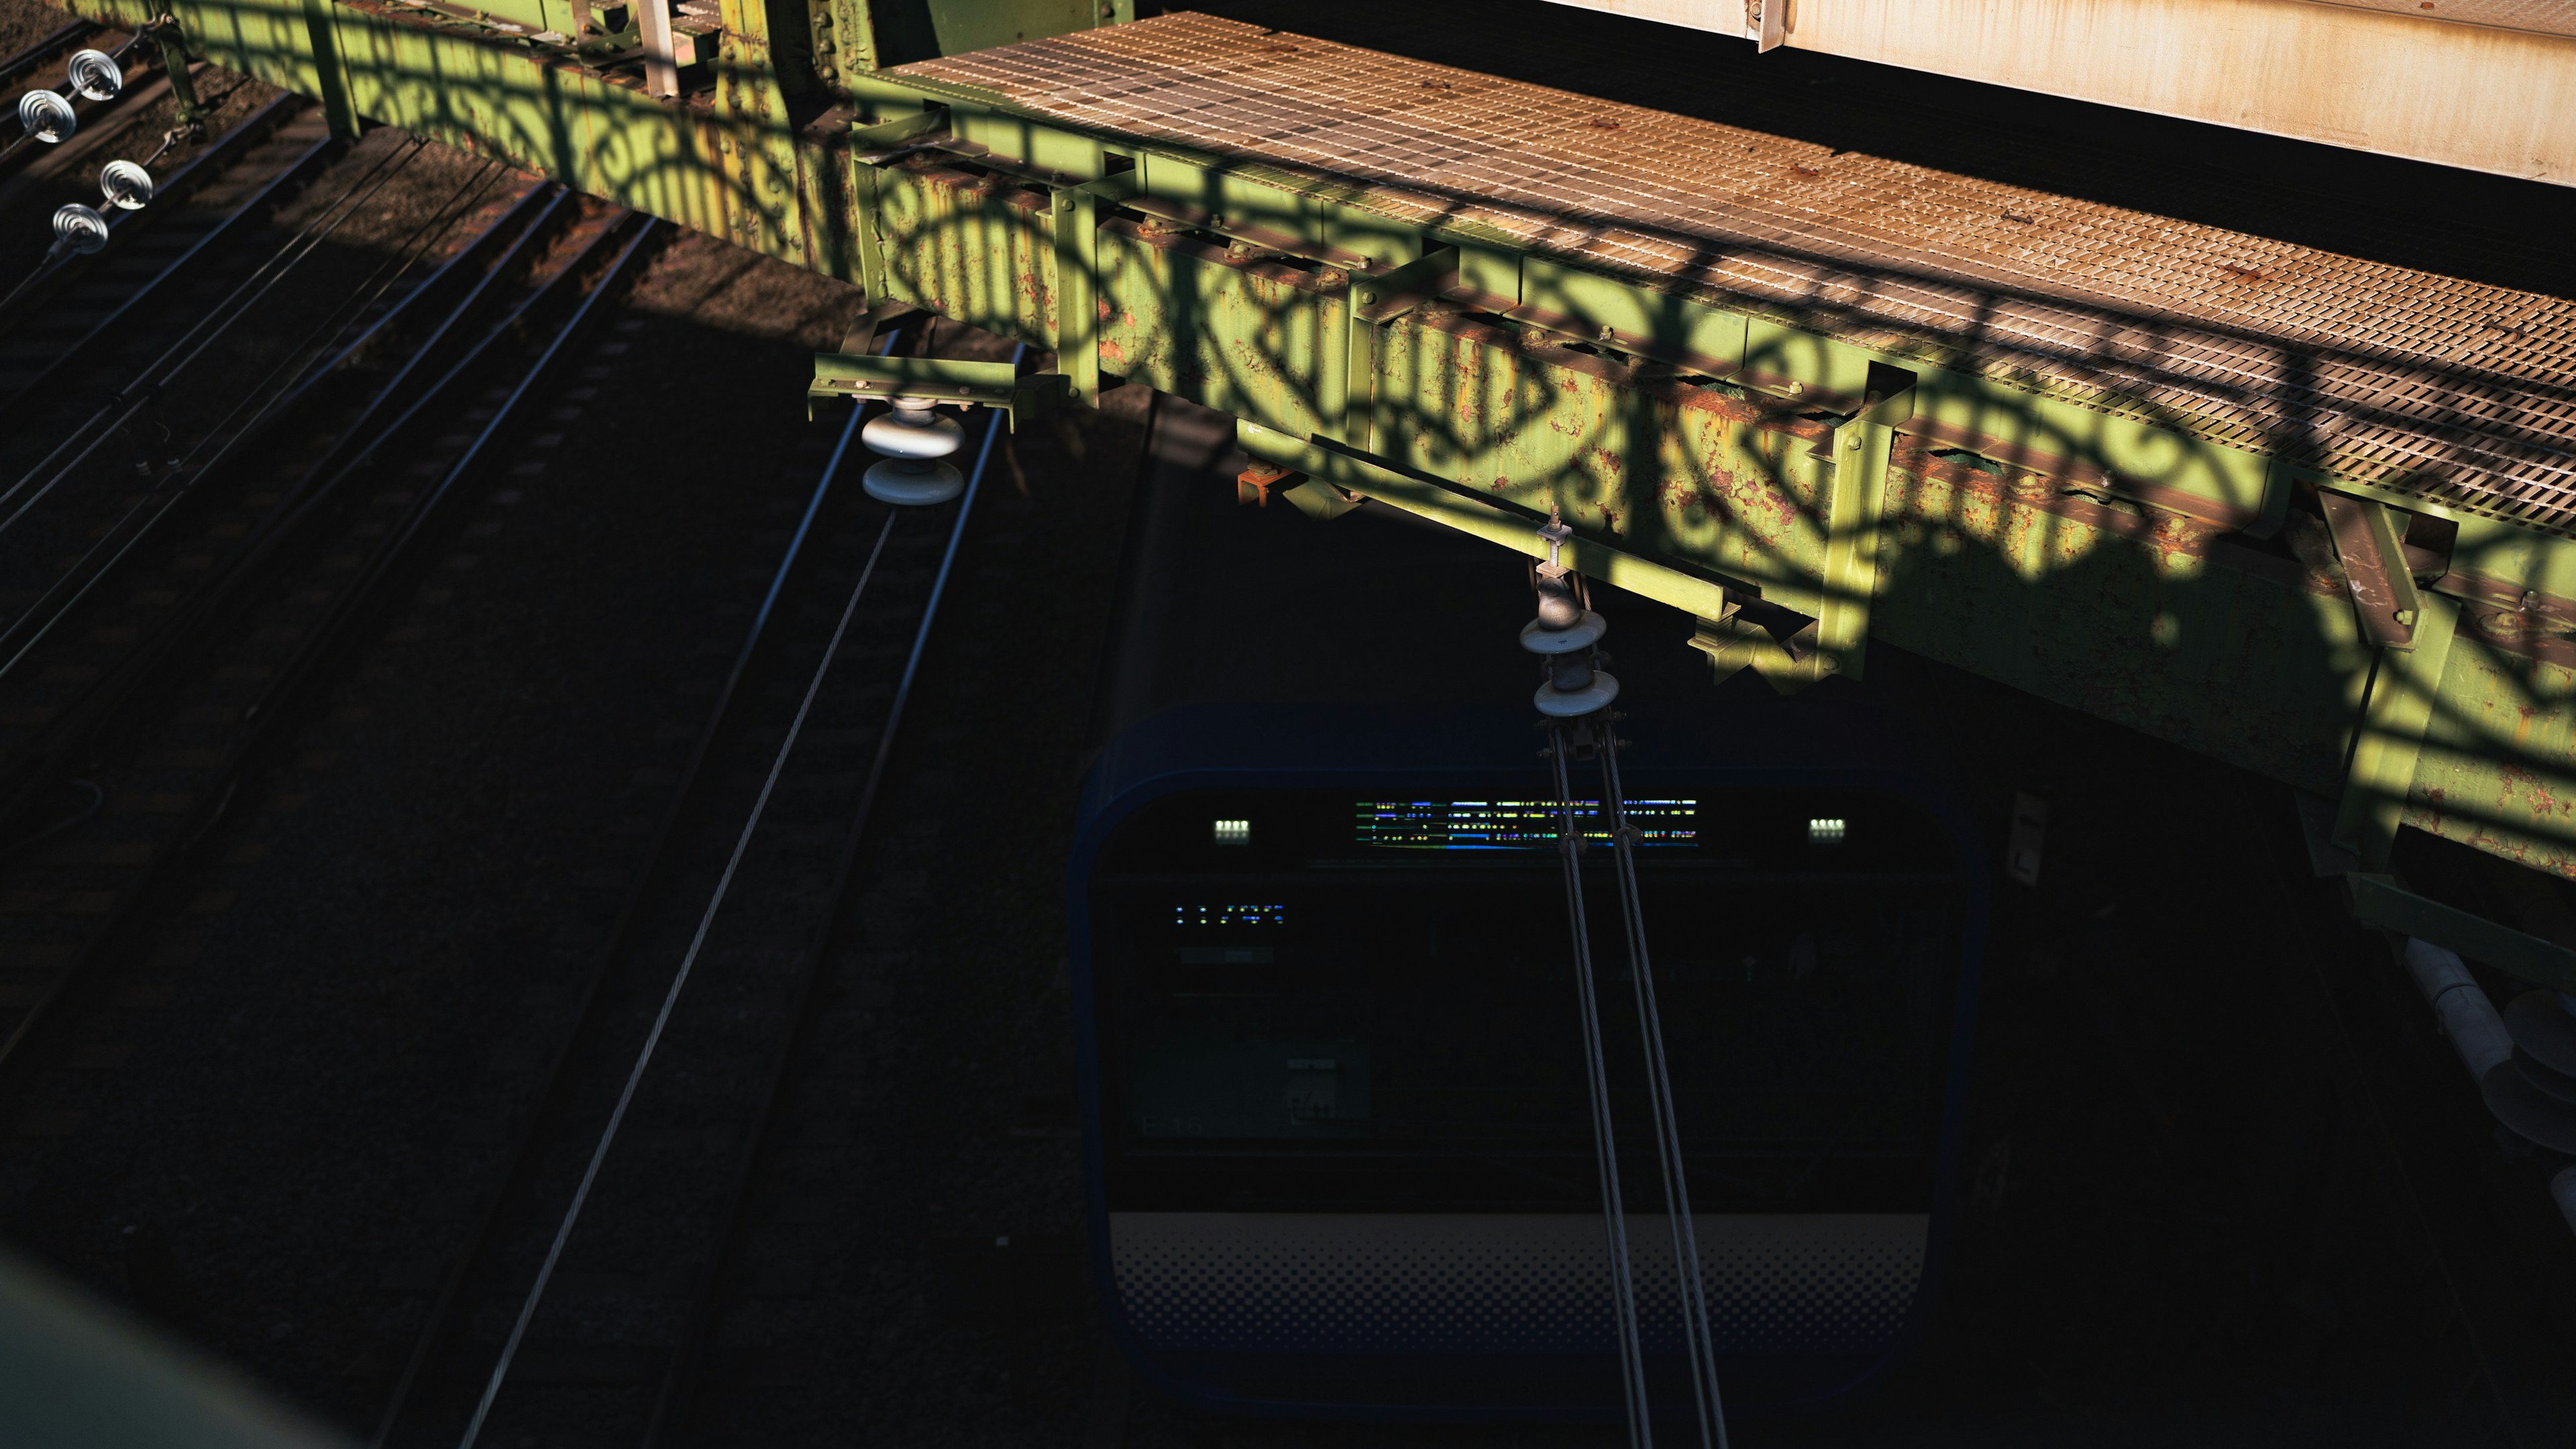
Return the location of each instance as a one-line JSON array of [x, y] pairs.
[[34, 55], [391, 553], [521, 1160], [97, 563], [219, 154], [670, 1406], [211, 603], [315, 348], [147, 386], [671, 998], [264, 723], [1605, 1144]]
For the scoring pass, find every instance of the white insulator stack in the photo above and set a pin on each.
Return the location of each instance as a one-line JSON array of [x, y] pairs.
[[94, 74], [125, 184], [1564, 634], [46, 116], [78, 230], [916, 443]]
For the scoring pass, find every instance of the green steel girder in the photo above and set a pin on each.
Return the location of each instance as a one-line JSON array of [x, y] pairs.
[[1750, 465]]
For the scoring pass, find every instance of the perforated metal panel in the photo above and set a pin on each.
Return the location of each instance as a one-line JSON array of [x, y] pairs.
[[2544, 17], [1478, 1284], [2431, 385]]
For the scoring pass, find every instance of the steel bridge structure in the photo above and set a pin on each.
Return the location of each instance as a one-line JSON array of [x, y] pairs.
[[2309, 514]]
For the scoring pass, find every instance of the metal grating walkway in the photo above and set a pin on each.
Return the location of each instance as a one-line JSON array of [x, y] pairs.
[[2433, 386]]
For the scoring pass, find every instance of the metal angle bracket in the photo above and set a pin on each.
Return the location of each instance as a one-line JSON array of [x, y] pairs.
[[1372, 300], [864, 379], [1775, 643], [870, 148], [1075, 226], [1349, 474], [2367, 540], [2389, 737], [1856, 502], [2378, 900], [1766, 23]]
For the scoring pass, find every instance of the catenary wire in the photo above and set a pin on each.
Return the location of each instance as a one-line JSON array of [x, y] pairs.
[[140, 393], [1623, 1288], [706, 920], [1699, 1342]]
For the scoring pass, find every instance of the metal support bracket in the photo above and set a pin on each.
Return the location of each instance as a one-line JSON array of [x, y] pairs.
[[1766, 23], [1855, 517], [2378, 900], [762, 168], [1330, 464], [870, 148], [2390, 734], [1370, 301], [867, 378], [330, 76], [2384, 596], [1076, 228], [1775, 643], [661, 63], [171, 41]]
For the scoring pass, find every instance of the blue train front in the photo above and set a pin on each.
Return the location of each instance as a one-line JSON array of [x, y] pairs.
[[1339, 1154]]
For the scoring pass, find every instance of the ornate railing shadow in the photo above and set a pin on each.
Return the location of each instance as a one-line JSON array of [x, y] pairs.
[[2101, 503]]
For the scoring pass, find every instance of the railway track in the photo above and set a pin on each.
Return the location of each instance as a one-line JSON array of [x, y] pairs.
[[169, 667], [96, 121], [64, 332], [579, 1300], [19, 69]]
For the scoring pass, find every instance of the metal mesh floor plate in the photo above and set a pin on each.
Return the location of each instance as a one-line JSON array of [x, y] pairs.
[[2545, 17], [2429, 385]]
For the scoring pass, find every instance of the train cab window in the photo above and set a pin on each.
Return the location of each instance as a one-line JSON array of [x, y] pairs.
[[1366, 998]]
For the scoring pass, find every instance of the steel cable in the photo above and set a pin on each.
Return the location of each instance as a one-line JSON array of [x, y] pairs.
[[671, 998], [146, 386], [304, 358], [724, 883], [123, 540], [1699, 1342], [1623, 1288], [666, 1402]]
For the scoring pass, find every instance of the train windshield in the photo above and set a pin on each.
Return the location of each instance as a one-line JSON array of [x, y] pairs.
[[1355, 1000]]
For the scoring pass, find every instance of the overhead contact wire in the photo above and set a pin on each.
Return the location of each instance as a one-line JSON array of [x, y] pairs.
[[147, 386], [1623, 1288], [671, 998], [169, 499], [930, 612], [304, 358], [1699, 1342], [724, 884]]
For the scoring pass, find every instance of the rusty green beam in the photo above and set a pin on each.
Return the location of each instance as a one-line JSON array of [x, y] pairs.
[[2135, 563]]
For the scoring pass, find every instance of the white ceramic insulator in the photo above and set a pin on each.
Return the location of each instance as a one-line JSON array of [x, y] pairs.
[[1587, 631], [2467, 1017], [79, 229], [46, 116], [913, 430], [125, 184], [1558, 703], [94, 74], [913, 482]]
